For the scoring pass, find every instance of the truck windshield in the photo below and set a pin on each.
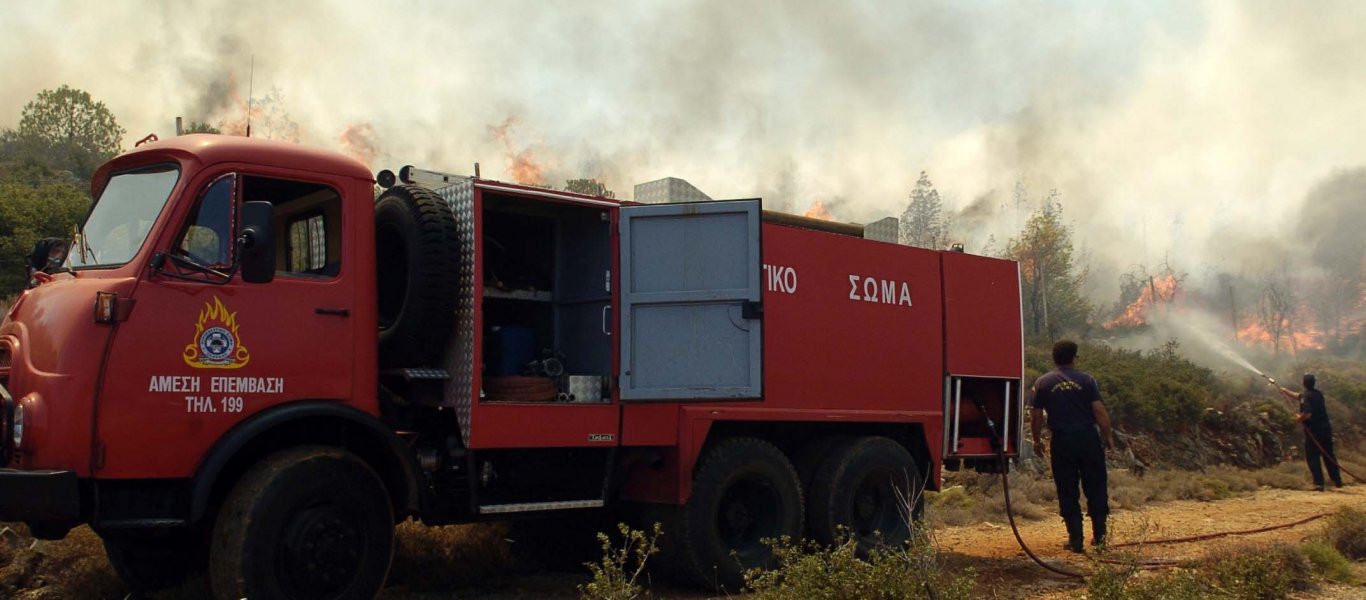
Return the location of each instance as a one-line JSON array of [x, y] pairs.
[[122, 216]]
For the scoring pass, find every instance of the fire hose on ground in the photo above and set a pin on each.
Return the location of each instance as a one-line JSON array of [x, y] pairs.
[[999, 449]]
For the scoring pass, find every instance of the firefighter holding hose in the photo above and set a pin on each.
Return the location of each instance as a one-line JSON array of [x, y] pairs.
[[1314, 415], [1080, 425]]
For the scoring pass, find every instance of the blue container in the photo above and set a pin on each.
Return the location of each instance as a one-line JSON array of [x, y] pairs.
[[513, 346]]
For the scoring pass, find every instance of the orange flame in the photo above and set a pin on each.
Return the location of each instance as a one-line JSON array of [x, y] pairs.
[[818, 211], [522, 164], [265, 115], [1305, 337], [360, 142], [1159, 292], [222, 325]]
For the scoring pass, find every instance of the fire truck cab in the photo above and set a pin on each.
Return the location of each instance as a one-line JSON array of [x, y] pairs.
[[253, 365]]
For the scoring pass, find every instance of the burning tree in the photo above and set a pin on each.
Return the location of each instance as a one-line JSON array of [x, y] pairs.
[[1141, 292], [1276, 307], [1051, 283], [589, 186], [267, 117]]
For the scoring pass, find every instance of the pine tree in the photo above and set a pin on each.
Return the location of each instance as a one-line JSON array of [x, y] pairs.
[[923, 224]]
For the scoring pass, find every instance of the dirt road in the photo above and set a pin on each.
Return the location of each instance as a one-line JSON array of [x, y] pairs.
[[1005, 571]]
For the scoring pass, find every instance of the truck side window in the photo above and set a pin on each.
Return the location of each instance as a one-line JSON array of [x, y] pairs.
[[308, 219], [207, 236], [306, 250]]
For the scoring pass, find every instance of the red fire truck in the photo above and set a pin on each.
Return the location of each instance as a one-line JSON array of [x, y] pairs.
[[251, 365]]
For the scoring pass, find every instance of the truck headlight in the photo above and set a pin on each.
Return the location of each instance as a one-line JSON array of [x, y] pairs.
[[18, 427]]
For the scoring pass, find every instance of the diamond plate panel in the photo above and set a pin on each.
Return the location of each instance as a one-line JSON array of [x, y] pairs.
[[460, 355]]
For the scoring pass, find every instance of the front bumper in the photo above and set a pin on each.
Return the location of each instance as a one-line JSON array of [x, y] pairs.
[[34, 497]]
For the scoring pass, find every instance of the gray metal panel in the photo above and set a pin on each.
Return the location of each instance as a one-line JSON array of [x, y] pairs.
[[459, 392], [883, 230], [687, 271]]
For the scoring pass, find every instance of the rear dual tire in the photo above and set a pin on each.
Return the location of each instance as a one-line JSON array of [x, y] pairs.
[[745, 491], [867, 489]]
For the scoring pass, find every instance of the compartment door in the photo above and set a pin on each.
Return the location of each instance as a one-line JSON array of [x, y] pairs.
[[691, 319]]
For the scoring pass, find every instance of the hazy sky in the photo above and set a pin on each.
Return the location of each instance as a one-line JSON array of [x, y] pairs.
[[1179, 126]]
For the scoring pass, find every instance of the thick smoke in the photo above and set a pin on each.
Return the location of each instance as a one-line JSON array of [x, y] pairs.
[[1179, 131]]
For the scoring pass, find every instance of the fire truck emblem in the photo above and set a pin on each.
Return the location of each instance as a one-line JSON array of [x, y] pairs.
[[216, 343]]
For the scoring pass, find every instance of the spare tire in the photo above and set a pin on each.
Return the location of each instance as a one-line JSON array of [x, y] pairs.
[[417, 258]]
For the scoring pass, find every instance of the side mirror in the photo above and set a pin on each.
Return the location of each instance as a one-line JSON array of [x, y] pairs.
[[48, 253], [257, 243]]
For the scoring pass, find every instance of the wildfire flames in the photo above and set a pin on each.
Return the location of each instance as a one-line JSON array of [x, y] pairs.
[[360, 142], [1158, 294], [1163, 294], [1293, 336], [522, 164], [818, 211]]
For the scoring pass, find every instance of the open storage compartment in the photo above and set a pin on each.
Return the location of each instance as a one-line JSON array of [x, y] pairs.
[[966, 434], [547, 298]]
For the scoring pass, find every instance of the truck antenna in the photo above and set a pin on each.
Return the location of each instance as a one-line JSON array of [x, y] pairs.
[[251, 79]]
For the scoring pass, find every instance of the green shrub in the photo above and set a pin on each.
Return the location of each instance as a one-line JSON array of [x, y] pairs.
[[1328, 562], [1154, 391], [1346, 532], [1259, 572], [615, 575], [1111, 583], [1240, 573], [813, 572]]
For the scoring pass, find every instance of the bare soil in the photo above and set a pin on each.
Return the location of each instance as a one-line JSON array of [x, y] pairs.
[[1004, 571]]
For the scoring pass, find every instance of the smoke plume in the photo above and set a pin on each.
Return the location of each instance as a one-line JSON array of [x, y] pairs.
[[1206, 133]]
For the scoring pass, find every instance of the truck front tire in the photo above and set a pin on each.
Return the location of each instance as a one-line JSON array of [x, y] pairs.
[[744, 492], [867, 488], [309, 523]]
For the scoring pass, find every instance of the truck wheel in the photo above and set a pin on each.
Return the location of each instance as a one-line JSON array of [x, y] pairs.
[[417, 259], [308, 523], [745, 491], [154, 561], [863, 489]]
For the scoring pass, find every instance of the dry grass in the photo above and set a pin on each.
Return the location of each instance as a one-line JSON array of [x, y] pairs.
[[970, 497], [74, 567], [449, 557], [425, 558]]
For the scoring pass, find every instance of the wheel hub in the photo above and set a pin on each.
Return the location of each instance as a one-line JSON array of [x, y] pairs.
[[321, 552], [746, 515]]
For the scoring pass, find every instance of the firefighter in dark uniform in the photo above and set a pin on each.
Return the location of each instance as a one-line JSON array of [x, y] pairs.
[[1081, 433], [1314, 415]]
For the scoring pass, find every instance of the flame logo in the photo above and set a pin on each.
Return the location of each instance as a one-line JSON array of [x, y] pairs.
[[216, 343]]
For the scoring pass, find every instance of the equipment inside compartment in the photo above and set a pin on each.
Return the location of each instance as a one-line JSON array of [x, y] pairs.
[[546, 301]]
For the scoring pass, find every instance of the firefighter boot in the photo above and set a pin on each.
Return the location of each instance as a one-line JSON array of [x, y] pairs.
[[1098, 537], [1074, 536]]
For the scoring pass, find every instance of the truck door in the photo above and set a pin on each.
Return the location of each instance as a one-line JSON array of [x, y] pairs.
[[691, 326], [201, 350]]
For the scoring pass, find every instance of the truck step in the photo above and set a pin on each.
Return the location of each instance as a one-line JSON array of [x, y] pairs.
[[419, 374], [493, 509]]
